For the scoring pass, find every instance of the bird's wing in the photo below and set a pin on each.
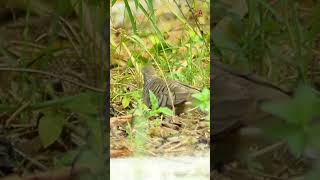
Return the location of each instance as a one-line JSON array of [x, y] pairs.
[[159, 88], [180, 92]]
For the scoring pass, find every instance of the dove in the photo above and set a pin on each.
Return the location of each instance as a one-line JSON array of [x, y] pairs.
[[169, 93]]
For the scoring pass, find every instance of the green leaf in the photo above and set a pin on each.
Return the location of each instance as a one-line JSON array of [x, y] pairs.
[[141, 126], [278, 130], [138, 112], [157, 122], [137, 39], [153, 100], [113, 2], [50, 127], [300, 110], [307, 102], [293, 134], [153, 113], [298, 128], [125, 102], [284, 109], [77, 102], [131, 17], [136, 3], [297, 143], [65, 159], [95, 138], [202, 99], [91, 159], [165, 111], [85, 103], [58, 102], [313, 132]]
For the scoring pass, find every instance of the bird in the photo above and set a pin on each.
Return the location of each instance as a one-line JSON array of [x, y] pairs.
[[238, 119], [169, 93]]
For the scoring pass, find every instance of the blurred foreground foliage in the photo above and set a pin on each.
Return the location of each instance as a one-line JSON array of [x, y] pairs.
[[52, 95], [278, 40]]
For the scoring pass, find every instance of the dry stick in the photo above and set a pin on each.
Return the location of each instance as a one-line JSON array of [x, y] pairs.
[[33, 161], [114, 121], [70, 39], [75, 74], [41, 36], [73, 31], [176, 146], [55, 76], [22, 125], [20, 109], [268, 149], [283, 170], [25, 43]]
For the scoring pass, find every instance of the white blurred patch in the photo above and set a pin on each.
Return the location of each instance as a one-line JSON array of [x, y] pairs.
[[161, 168]]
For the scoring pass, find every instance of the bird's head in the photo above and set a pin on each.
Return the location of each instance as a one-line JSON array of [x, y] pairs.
[[148, 70]]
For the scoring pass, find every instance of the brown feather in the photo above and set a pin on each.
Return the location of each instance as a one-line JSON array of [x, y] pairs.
[[180, 93]]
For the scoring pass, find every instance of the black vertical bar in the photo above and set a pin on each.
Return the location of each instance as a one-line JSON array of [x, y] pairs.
[[106, 57], [211, 88]]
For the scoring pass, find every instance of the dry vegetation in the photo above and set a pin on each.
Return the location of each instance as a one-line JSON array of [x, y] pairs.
[[172, 41]]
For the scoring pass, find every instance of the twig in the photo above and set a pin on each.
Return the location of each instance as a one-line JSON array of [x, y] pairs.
[[33, 161], [268, 149], [40, 37], [114, 121], [73, 31], [55, 76], [70, 39], [18, 111], [119, 152], [21, 125], [171, 149], [27, 44]]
